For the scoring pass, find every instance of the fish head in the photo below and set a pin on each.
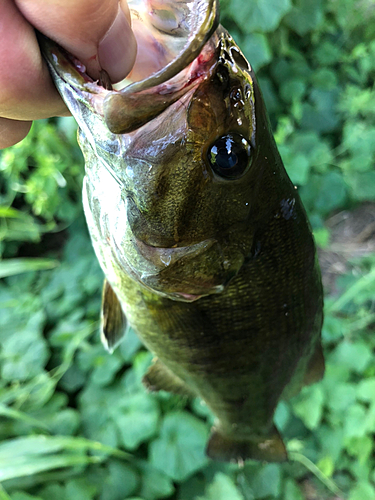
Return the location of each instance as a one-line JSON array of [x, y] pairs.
[[173, 160], [189, 199]]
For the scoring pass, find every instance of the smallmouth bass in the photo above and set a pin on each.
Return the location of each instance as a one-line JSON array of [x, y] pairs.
[[202, 237]]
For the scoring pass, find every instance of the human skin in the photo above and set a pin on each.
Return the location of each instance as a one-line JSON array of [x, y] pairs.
[[97, 32]]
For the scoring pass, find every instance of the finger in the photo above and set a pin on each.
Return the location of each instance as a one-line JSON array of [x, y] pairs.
[[26, 89], [12, 131], [97, 32]]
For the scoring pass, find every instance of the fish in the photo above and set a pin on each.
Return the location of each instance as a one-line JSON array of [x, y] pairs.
[[203, 239]]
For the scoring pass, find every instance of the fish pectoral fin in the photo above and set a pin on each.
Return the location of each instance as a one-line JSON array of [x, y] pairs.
[[159, 377], [226, 448], [113, 320], [316, 366]]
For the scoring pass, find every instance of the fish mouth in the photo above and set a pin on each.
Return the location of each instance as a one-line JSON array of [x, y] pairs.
[[187, 61]]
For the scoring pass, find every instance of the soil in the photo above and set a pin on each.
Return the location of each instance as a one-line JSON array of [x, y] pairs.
[[352, 237]]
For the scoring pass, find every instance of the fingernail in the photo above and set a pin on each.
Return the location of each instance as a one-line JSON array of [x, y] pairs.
[[118, 49]]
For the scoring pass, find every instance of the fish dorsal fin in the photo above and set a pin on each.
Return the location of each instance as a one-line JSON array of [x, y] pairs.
[[113, 320]]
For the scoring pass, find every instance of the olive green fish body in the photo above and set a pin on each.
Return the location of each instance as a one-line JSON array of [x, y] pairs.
[[203, 240], [239, 349]]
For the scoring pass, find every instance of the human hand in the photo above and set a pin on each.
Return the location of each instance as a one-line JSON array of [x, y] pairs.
[[97, 32]]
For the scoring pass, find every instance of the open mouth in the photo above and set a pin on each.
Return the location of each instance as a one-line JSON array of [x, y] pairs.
[[177, 32]]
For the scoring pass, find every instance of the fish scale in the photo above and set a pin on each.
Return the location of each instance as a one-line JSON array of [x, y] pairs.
[[203, 239]]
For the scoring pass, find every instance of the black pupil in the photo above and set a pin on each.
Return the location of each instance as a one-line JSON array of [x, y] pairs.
[[229, 155]]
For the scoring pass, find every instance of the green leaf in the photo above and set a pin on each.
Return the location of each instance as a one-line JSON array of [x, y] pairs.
[[308, 406], [256, 49], [155, 484], [366, 390], [20, 466], [362, 491], [355, 421], [20, 495], [324, 79], [282, 415], [222, 488], [10, 267], [354, 356], [25, 353], [331, 441], [80, 488], [341, 396], [357, 102], [359, 141], [362, 185], [319, 113], [305, 16], [326, 465], [332, 328], [53, 490], [137, 419], [130, 345], [324, 193], [99, 408], [327, 52], [292, 491], [322, 237], [266, 482], [33, 454], [180, 449], [297, 165], [360, 448], [12, 213], [293, 89], [260, 15], [104, 366], [23, 417], [121, 481], [20, 228]]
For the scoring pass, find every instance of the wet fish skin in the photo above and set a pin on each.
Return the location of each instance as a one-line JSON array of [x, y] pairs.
[[218, 276]]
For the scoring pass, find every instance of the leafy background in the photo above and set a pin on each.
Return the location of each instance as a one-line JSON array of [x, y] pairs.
[[75, 421]]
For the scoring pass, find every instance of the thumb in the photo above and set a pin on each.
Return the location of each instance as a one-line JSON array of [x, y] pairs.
[[97, 32]]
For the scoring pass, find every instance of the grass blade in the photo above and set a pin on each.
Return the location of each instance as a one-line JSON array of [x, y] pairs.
[[10, 267]]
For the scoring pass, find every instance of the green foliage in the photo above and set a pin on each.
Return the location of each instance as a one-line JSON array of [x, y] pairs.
[[42, 176], [317, 74], [260, 15], [179, 451], [222, 488], [75, 422]]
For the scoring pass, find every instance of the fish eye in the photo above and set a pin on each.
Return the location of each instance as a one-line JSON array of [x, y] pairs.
[[229, 156]]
